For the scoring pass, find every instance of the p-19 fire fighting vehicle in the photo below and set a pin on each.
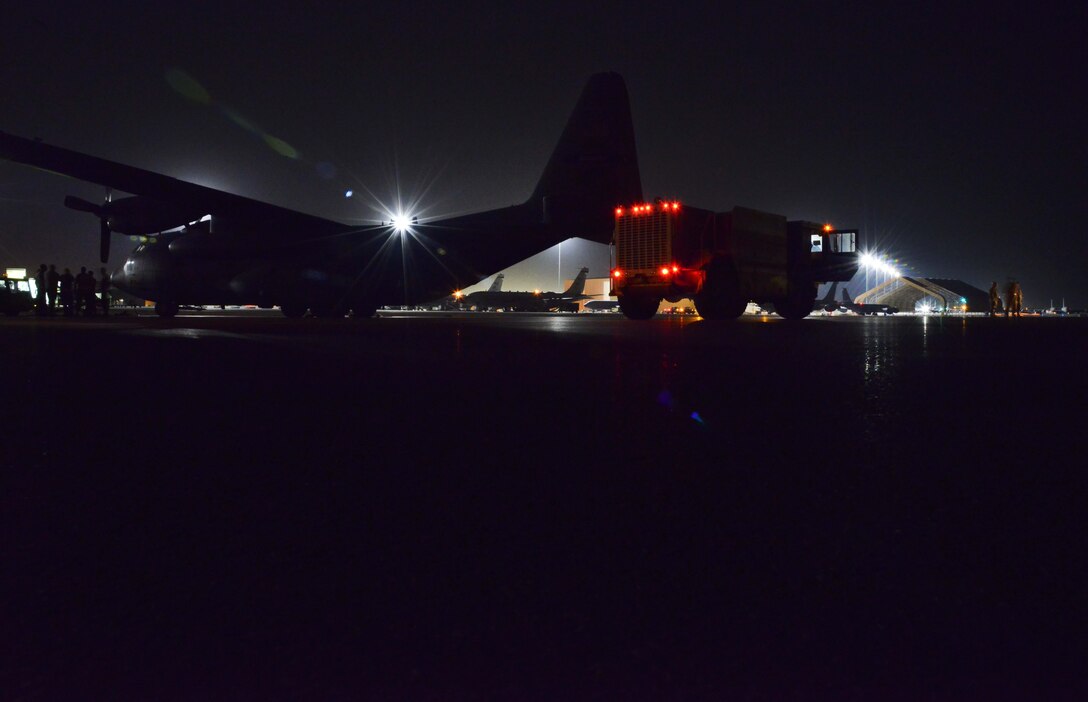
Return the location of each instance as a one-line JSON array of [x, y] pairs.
[[723, 260]]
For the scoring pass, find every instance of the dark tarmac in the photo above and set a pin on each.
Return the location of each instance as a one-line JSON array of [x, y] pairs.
[[543, 507]]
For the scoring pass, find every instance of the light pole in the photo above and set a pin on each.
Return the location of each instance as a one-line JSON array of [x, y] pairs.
[[559, 271]]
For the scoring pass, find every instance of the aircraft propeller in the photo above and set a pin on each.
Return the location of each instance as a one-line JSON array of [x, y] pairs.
[[102, 212]]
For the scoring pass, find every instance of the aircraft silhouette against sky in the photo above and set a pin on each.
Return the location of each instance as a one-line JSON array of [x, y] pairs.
[[515, 301], [828, 303], [211, 247]]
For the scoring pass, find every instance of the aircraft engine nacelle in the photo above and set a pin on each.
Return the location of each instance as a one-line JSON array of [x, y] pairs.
[[140, 215]]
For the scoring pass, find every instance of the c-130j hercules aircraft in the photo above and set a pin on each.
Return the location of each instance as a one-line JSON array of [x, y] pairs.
[[251, 252]]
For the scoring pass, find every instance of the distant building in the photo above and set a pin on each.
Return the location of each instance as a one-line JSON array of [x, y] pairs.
[[927, 294]]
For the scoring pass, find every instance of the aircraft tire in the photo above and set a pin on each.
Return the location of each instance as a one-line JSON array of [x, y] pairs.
[[720, 297], [639, 306], [293, 310], [166, 309]]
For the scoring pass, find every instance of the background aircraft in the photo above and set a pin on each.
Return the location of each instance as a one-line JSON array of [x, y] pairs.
[[828, 303], [210, 247], [863, 309], [530, 301]]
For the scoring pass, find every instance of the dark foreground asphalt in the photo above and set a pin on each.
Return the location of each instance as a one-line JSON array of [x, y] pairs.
[[510, 507]]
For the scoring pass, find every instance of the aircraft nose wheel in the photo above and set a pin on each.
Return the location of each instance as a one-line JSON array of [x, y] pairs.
[[166, 309]]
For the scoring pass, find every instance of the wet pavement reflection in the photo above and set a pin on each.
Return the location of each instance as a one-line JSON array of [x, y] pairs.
[[543, 506]]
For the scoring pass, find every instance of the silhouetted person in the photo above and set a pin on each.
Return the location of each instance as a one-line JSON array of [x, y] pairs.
[[81, 286], [89, 302], [1017, 299], [1010, 294], [51, 280], [104, 288], [84, 290], [995, 299], [40, 281], [68, 292]]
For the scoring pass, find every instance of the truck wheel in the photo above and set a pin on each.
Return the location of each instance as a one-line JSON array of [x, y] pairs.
[[798, 304], [720, 297], [639, 306], [166, 309]]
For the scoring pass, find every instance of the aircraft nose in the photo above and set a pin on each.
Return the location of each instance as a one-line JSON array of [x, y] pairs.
[[119, 279]]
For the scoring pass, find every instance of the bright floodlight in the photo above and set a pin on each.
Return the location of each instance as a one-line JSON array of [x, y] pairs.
[[401, 222], [875, 263]]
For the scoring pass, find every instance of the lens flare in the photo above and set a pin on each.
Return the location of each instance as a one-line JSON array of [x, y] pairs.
[[401, 222]]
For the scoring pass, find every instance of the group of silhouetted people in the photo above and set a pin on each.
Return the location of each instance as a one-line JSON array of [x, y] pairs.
[[1014, 299], [74, 293]]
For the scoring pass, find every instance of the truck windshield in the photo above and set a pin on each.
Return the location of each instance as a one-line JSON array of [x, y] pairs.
[[841, 242]]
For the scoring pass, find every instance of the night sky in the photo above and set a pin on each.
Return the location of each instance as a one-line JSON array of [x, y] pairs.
[[954, 138]]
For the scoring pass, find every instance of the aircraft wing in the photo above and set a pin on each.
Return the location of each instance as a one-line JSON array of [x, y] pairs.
[[158, 187]]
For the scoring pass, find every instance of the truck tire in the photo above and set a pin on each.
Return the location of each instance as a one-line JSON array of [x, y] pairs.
[[798, 304], [639, 306], [720, 297]]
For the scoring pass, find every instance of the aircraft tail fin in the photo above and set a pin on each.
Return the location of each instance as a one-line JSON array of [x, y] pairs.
[[594, 166], [578, 285], [845, 294], [496, 285], [829, 298]]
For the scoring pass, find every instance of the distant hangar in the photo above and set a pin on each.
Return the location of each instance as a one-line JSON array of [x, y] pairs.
[[910, 294]]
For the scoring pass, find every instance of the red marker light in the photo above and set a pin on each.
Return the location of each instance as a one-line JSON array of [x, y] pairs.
[[665, 271], [827, 227], [619, 211], [617, 273], [675, 269], [676, 205]]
